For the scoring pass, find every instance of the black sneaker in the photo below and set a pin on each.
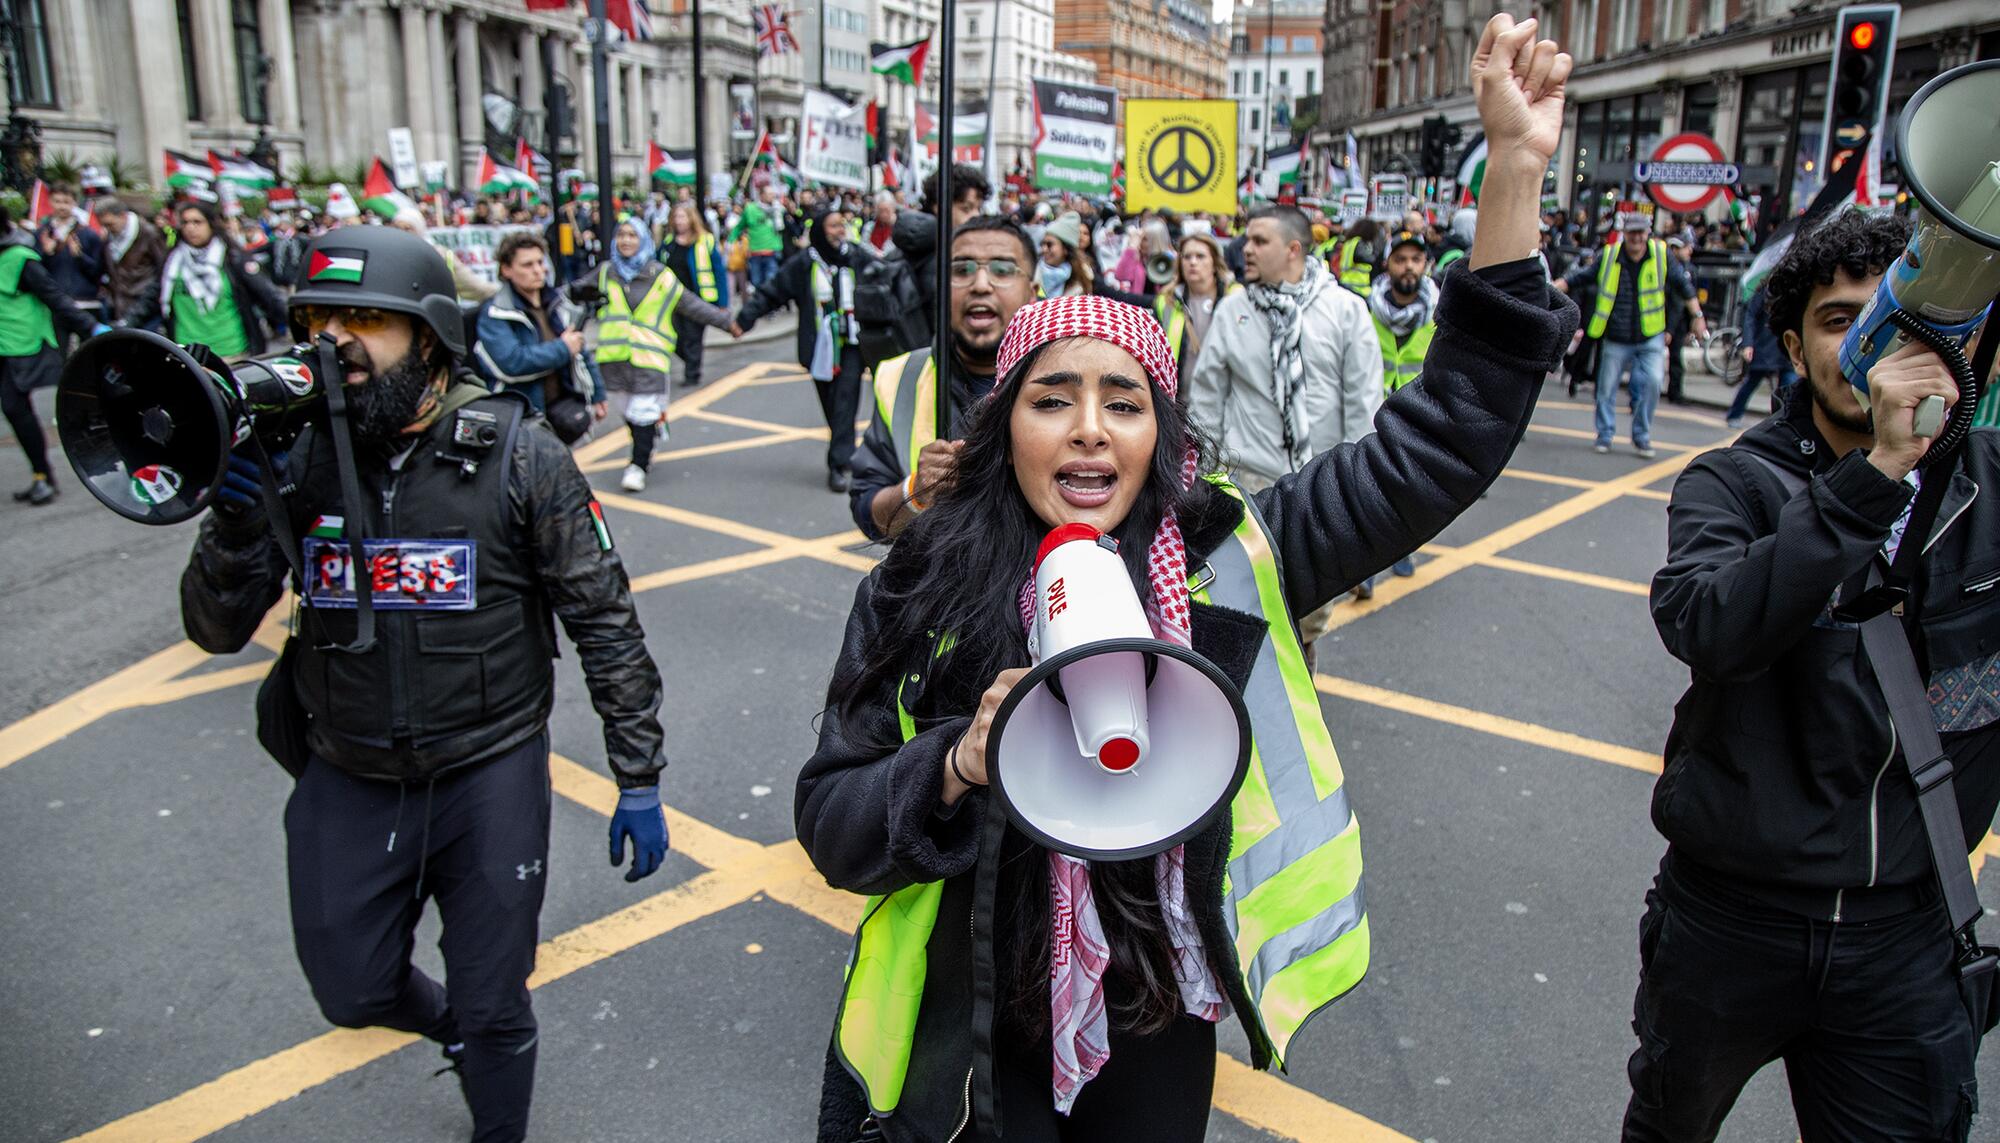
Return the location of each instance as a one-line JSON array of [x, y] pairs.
[[38, 493], [838, 480], [454, 1061]]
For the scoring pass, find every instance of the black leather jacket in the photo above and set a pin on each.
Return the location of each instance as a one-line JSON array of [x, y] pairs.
[[466, 686]]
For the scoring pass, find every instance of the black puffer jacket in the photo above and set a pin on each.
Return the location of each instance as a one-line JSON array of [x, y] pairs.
[[236, 573], [868, 814], [1780, 775]]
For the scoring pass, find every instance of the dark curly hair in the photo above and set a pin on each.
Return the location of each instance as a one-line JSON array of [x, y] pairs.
[[1861, 244]]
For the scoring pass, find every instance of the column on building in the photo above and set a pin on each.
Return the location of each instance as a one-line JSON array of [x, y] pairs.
[[1728, 106], [529, 50], [444, 134], [416, 78], [215, 56], [157, 68], [641, 124], [471, 129], [282, 97], [365, 87], [576, 65]]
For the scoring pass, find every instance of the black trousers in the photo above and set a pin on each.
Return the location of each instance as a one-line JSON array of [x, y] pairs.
[[840, 402], [1154, 1089], [18, 405], [1676, 368], [1865, 1015], [364, 855], [688, 346]]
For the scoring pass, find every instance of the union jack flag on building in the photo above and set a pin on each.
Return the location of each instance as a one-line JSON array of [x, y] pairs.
[[774, 30]]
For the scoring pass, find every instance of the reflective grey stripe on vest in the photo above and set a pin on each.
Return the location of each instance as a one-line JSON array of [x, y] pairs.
[[903, 425], [1306, 821]]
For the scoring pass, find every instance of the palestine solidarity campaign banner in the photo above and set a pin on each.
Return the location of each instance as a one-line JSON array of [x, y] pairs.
[[834, 146], [1076, 134]]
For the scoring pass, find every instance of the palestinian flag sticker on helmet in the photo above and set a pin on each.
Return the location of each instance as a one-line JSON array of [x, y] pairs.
[[336, 265]]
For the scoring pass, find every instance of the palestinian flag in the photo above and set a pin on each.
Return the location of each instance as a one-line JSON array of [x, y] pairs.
[[282, 198], [379, 193], [328, 527], [597, 522], [185, 170], [329, 264], [530, 162], [903, 63], [496, 179], [241, 173], [38, 203], [662, 167], [1280, 172], [1472, 171], [574, 186], [767, 155]]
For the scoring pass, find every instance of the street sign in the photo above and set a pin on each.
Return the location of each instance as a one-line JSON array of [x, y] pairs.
[[403, 157], [1686, 172], [1181, 154]]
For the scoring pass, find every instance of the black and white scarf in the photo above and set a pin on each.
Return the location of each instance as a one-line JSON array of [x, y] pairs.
[[1402, 319], [1282, 304]]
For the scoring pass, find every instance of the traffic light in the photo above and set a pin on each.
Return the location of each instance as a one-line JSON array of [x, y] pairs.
[[1864, 47], [1431, 143]]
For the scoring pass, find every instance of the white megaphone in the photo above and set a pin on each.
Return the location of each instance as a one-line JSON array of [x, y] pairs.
[[1938, 292], [1116, 745]]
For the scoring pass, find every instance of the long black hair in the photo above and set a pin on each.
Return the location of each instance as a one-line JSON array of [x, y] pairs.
[[958, 569]]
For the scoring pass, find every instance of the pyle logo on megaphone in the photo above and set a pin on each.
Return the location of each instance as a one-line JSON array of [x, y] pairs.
[[1116, 745]]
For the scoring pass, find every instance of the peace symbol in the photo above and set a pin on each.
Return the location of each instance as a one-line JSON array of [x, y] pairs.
[[1181, 159]]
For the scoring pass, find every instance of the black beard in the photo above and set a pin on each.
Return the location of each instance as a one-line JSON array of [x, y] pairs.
[[1861, 422], [381, 408]]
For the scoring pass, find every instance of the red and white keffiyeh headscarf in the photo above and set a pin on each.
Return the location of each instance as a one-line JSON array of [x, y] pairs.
[[1080, 953]]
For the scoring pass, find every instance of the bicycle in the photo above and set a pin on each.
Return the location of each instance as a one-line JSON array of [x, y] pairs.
[[1722, 353]]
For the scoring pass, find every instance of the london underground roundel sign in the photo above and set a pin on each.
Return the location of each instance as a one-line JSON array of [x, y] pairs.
[[1686, 172]]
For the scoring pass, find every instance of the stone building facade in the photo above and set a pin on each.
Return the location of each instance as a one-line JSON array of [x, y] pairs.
[[326, 79], [1276, 65]]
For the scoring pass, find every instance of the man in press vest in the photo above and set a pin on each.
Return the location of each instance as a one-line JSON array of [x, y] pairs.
[[1635, 281], [421, 747]]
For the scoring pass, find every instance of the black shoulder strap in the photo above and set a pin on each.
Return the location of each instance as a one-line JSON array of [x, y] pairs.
[[1888, 647], [1793, 483]]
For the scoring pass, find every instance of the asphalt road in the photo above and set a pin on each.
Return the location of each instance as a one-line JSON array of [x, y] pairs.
[[1499, 716]]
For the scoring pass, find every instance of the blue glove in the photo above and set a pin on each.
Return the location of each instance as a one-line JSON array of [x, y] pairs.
[[100, 327], [242, 488], [638, 818]]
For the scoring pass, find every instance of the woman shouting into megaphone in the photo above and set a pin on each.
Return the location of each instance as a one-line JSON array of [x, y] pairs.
[[995, 982]]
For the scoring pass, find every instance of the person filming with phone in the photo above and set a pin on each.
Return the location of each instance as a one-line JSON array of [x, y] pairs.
[[1804, 909]]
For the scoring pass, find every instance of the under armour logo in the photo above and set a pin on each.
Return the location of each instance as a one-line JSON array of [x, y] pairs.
[[523, 872]]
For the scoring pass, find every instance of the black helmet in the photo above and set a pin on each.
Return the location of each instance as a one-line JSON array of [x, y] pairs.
[[380, 267]]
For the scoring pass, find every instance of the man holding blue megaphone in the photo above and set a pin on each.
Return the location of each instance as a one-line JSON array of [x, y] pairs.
[[1833, 584]]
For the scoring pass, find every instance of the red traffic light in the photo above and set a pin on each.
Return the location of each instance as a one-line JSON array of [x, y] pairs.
[[1862, 36]]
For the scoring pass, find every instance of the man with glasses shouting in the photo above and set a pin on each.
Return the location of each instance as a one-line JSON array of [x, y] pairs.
[[901, 465], [423, 770]]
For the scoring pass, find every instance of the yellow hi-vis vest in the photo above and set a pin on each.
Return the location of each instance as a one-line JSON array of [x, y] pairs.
[[1171, 313], [1355, 275], [645, 336], [1292, 896], [906, 397], [1402, 363], [703, 257], [1652, 289]]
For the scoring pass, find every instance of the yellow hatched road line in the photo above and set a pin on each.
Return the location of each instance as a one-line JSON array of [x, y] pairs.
[[1497, 725], [1547, 571], [1579, 482], [1587, 435]]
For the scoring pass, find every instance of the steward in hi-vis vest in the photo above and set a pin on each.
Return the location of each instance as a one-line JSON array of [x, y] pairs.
[[1173, 311], [959, 977], [1357, 263], [641, 320], [411, 702], [1403, 305], [697, 261], [1636, 282]]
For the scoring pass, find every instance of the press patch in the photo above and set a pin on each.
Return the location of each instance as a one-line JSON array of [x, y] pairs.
[[406, 575]]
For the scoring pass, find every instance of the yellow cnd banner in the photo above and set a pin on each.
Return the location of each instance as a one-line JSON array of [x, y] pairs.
[[1180, 154]]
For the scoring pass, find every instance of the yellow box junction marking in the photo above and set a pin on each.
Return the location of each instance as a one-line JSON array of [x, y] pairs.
[[739, 868]]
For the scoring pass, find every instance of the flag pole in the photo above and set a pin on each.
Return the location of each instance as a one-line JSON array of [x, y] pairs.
[[947, 95], [600, 84], [700, 118]]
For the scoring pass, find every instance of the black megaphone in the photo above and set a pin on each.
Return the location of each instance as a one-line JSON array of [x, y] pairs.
[[148, 424]]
